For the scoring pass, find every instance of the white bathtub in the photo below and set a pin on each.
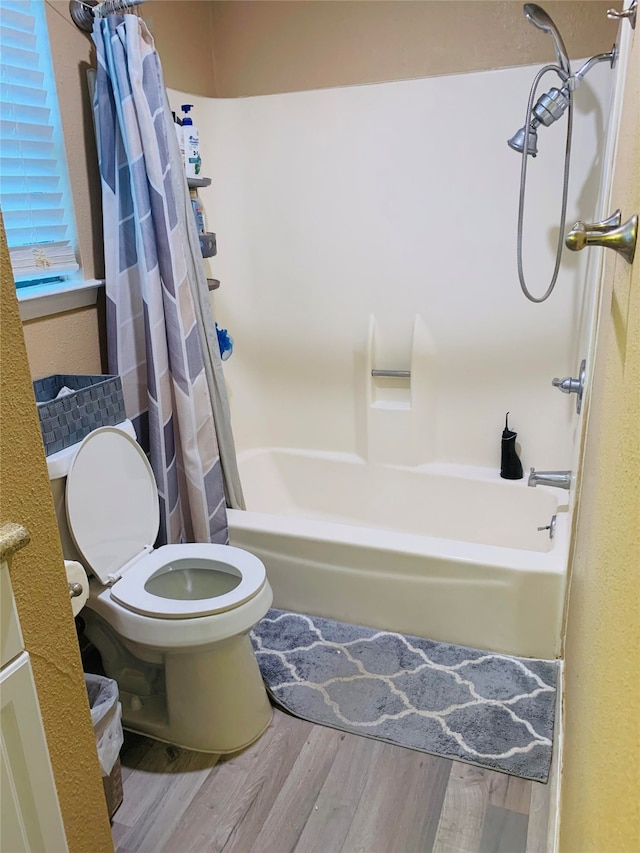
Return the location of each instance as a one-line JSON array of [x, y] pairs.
[[445, 552]]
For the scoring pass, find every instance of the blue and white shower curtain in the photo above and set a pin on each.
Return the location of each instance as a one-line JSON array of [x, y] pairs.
[[160, 330]]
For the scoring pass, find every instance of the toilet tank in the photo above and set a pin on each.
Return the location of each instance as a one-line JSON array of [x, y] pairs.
[[59, 464]]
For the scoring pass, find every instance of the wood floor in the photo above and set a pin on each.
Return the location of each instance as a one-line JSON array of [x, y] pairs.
[[312, 789]]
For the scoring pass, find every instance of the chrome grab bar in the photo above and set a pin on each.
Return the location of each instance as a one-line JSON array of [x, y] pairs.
[[393, 374]]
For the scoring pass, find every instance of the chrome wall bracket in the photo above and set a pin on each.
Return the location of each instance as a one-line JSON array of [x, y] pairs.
[[609, 233], [568, 385], [630, 13]]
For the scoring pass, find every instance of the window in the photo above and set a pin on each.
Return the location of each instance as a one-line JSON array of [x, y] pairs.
[[34, 183]]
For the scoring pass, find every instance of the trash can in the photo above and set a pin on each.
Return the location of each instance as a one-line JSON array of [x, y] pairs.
[[106, 716]]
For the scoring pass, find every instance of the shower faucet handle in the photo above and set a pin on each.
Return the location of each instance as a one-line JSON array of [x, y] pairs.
[[568, 385], [605, 225], [609, 233]]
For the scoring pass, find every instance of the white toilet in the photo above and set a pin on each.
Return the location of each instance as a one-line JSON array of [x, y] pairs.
[[171, 624]]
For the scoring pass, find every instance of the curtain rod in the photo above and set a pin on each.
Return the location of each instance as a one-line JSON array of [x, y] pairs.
[[84, 11]]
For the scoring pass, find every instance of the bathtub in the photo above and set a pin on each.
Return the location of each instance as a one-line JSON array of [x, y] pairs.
[[447, 552]]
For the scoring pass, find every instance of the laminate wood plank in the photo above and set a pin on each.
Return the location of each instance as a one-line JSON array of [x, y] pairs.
[[234, 801], [541, 826], [330, 820], [310, 789], [119, 833], [400, 806], [539, 811], [286, 819], [157, 793], [134, 749], [504, 831], [509, 792], [463, 810]]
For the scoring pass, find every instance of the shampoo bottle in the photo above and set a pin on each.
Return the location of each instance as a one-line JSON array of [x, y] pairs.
[[191, 144], [198, 211]]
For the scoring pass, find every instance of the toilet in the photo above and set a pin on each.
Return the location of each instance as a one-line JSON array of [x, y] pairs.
[[172, 623]]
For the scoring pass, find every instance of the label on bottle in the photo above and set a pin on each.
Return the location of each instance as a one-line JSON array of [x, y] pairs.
[[192, 151]]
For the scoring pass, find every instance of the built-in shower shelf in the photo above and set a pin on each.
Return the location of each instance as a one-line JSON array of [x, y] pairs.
[[208, 245], [392, 405]]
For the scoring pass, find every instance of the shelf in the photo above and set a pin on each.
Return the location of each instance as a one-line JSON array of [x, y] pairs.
[[198, 182], [208, 245], [213, 283]]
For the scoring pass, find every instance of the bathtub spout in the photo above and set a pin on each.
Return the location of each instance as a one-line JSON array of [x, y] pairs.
[[559, 479]]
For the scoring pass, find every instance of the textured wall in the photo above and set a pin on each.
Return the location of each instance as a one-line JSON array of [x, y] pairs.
[[601, 777], [66, 343], [182, 33], [261, 47], [40, 587]]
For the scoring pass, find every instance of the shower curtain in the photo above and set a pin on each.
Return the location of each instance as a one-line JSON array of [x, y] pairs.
[[161, 334]]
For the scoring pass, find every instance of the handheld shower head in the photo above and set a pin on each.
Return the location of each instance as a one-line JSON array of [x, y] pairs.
[[542, 21]]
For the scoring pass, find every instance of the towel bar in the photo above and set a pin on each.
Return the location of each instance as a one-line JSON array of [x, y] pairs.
[[393, 374]]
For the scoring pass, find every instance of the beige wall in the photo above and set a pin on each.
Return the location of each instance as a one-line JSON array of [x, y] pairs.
[[260, 46], [182, 33], [66, 343], [40, 586], [601, 775]]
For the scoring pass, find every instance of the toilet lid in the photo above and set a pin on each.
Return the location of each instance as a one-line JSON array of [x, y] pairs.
[[112, 501]]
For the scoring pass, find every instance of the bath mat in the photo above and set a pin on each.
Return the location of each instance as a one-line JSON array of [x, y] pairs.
[[483, 708]]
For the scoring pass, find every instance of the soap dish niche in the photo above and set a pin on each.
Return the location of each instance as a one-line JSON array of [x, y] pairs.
[[391, 389]]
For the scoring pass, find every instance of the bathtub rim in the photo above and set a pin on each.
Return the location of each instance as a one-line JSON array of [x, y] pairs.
[[553, 561]]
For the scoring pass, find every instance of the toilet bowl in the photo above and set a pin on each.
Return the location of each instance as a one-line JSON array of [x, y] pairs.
[[171, 623]]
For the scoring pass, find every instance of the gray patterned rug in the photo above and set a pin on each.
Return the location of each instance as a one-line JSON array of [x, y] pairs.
[[483, 708]]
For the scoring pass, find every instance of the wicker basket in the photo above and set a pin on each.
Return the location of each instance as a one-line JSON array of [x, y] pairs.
[[113, 789], [96, 401]]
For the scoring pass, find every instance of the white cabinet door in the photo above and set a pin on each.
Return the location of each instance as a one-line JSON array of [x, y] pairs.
[[10, 634], [30, 819]]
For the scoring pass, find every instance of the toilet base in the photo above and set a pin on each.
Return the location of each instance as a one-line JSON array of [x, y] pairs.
[[207, 699], [132, 727]]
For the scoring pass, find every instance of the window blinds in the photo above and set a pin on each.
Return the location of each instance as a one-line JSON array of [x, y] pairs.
[[34, 185]]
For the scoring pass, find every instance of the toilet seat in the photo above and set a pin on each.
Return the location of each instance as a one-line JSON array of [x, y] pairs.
[[131, 592], [113, 513]]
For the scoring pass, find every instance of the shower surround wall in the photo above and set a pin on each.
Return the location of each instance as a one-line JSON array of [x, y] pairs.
[[374, 227]]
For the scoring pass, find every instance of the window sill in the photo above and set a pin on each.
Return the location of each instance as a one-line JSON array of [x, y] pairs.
[[45, 299]]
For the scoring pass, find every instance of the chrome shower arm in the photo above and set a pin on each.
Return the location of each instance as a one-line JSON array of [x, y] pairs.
[[609, 57]]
